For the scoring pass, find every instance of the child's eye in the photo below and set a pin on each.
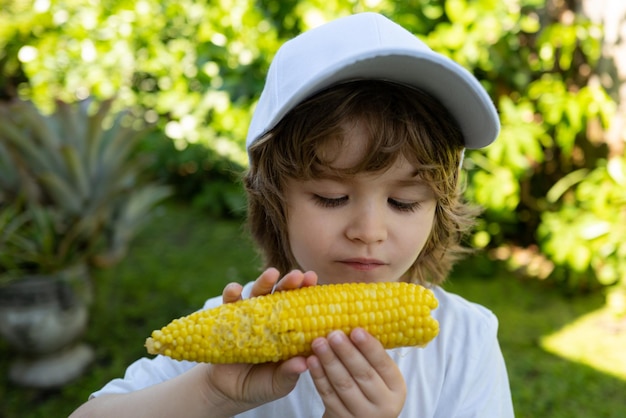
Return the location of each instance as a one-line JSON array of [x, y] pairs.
[[404, 206], [330, 202]]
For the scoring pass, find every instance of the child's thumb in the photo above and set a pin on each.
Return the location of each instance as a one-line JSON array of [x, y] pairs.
[[287, 375]]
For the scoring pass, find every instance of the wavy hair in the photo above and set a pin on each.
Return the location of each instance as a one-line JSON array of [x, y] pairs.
[[400, 120]]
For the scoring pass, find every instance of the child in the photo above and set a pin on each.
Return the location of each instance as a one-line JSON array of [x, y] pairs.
[[355, 150]]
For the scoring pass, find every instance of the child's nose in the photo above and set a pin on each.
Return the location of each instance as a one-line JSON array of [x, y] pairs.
[[367, 225]]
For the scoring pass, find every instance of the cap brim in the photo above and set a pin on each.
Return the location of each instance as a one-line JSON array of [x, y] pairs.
[[454, 86]]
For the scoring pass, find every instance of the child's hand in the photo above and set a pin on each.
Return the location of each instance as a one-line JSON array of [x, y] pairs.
[[245, 386], [355, 376], [265, 283]]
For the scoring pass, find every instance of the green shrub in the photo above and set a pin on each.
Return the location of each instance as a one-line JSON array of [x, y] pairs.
[[199, 175], [584, 234], [194, 69]]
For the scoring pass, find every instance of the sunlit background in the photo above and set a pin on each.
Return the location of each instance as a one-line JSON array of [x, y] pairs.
[[552, 260]]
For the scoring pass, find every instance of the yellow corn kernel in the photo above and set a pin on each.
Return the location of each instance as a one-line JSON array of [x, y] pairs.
[[284, 324]]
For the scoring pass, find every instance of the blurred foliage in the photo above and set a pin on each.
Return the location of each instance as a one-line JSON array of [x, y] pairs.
[[71, 186], [195, 70], [586, 231], [200, 176]]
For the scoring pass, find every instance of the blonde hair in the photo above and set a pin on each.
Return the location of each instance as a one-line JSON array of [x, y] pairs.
[[401, 121]]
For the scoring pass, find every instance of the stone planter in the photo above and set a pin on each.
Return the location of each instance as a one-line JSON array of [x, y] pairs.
[[43, 319]]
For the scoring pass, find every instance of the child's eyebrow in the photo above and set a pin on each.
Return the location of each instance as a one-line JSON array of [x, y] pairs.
[[413, 179], [411, 183]]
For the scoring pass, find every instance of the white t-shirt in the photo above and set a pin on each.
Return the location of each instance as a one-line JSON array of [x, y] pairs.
[[461, 373]]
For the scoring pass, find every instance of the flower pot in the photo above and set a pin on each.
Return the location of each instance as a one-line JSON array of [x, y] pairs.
[[43, 317]]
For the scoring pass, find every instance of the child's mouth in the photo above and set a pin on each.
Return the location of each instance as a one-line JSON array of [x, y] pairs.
[[362, 264]]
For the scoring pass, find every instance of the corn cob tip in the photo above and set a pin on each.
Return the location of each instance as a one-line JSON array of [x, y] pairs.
[[150, 346]]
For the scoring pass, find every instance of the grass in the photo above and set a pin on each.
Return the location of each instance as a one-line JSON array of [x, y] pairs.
[[185, 257], [545, 383]]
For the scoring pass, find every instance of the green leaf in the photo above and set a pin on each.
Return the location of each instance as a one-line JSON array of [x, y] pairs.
[[565, 183], [455, 10], [62, 193], [94, 135], [72, 123], [78, 171], [11, 134], [141, 201], [39, 124]]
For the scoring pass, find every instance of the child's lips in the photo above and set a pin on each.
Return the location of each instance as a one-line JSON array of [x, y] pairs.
[[363, 264]]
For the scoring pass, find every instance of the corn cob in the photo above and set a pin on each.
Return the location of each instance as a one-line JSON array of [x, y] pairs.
[[282, 325]]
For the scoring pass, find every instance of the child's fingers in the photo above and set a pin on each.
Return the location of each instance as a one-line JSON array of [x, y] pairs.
[[231, 293], [357, 375], [287, 374], [268, 281], [264, 284], [296, 279], [378, 363], [325, 387], [309, 279]]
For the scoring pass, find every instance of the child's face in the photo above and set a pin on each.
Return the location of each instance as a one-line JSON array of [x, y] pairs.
[[369, 228]]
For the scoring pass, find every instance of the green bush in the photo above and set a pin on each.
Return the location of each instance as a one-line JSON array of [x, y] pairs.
[[199, 175], [195, 70], [584, 236]]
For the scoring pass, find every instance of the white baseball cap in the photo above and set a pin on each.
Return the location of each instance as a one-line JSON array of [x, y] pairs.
[[370, 46]]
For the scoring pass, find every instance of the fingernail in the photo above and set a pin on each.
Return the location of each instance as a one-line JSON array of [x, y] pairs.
[[358, 335], [313, 363], [319, 345], [336, 337]]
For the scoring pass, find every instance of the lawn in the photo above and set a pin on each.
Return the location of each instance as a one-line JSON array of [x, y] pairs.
[[183, 257]]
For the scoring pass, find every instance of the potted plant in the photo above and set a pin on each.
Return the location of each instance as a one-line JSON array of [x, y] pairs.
[[71, 199]]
